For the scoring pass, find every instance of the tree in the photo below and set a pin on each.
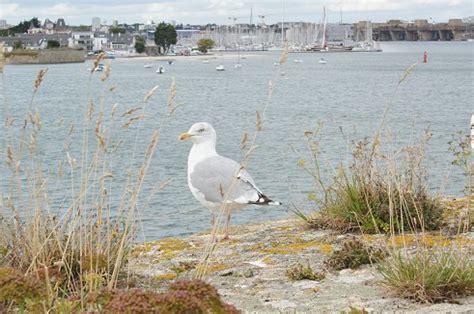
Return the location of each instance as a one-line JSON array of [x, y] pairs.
[[23, 27], [139, 44], [117, 30], [204, 44], [165, 36], [17, 44], [53, 44]]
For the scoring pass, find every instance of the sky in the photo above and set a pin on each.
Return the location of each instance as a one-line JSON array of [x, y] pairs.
[[78, 12]]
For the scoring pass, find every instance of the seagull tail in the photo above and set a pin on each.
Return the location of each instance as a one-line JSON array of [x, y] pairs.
[[264, 200]]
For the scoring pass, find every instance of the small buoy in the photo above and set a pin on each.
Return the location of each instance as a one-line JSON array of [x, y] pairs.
[[425, 57]]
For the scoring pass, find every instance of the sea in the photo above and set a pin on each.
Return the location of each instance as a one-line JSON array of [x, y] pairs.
[[347, 100]]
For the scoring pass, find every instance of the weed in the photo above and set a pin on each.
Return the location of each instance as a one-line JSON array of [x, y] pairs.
[[300, 271], [429, 276], [353, 254]]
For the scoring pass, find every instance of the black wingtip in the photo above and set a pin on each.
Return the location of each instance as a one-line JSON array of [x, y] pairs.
[[264, 200]]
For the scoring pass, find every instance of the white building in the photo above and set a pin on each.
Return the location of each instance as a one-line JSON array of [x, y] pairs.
[[84, 40], [95, 24], [3, 24]]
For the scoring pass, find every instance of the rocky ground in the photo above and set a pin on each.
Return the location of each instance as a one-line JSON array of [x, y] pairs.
[[249, 270]]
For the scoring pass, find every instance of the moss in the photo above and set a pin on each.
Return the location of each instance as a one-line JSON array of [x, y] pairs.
[[18, 289], [212, 268], [354, 254], [164, 277], [300, 271], [299, 245], [168, 247]]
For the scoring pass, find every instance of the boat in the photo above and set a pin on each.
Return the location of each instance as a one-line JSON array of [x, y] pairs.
[[369, 45], [170, 62], [322, 61], [160, 70], [147, 66], [297, 61], [205, 61], [238, 66], [220, 67], [100, 67], [276, 64]]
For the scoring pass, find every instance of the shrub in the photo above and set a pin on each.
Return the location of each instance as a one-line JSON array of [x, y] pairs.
[[192, 296], [301, 272], [378, 192], [18, 289], [353, 254], [429, 276]]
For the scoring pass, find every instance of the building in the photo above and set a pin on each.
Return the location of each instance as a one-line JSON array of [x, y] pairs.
[[120, 44], [95, 24], [61, 23], [36, 41], [84, 40], [3, 24]]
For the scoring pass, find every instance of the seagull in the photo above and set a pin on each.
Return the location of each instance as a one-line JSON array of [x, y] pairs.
[[217, 182]]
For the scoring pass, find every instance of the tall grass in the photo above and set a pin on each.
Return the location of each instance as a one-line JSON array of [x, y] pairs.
[[84, 244], [386, 190]]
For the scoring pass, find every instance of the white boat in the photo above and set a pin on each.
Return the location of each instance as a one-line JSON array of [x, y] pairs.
[[238, 66], [297, 61], [220, 67], [100, 67], [205, 61], [147, 66], [369, 45], [160, 70], [322, 61], [276, 64]]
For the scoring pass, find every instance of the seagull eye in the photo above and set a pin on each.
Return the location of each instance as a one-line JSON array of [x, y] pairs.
[[201, 130]]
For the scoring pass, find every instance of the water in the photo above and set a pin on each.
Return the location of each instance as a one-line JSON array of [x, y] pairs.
[[351, 91]]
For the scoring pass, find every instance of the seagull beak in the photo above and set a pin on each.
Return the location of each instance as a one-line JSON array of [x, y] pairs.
[[184, 136]]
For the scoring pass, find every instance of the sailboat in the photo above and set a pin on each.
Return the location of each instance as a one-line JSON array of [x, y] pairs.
[[325, 46], [220, 67], [369, 45]]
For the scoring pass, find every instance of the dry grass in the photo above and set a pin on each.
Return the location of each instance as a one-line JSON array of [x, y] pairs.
[[429, 276], [377, 192], [85, 245]]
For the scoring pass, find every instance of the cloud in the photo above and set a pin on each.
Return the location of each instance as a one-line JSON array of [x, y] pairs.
[[218, 11]]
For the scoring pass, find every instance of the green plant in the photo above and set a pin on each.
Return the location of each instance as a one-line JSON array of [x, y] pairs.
[[165, 36], [377, 192], [140, 44], [192, 296], [353, 254], [300, 271], [428, 276], [53, 44], [204, 44], [18, 290]]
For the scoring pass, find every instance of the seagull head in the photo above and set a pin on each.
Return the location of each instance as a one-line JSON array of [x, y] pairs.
[[200, 132]]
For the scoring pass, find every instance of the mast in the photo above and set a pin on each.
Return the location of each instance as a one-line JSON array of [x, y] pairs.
[[324, 27]]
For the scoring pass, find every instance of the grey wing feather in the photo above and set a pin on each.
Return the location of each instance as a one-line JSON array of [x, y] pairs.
[[219, 178]]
